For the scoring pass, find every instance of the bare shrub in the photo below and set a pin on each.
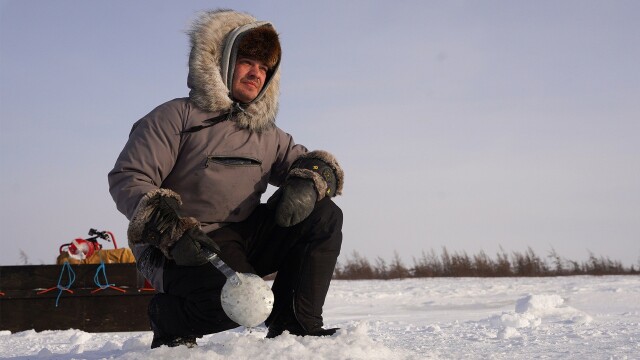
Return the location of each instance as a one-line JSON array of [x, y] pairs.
[[428, 265], [503, 266], [457, 264], [529, 264], [602, 266], [461, 265], [558, 262], [24, 258], [381, 269], [483, 265], [397, 270], [356, 268]]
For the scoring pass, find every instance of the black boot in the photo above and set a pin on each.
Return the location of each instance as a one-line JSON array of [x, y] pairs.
[[188, 341], [288, 322], [161, 338]]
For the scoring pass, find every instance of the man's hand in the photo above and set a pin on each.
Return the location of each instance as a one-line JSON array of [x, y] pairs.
[[294, 201], [158, 222], [187, 251], [312, 177]]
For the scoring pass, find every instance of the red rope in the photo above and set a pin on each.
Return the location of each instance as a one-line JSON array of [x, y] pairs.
[[147, 286]]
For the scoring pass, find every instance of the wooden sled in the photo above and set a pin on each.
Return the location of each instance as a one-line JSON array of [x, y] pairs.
[[37, 297]]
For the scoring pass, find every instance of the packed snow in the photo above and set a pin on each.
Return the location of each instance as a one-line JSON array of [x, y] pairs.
[[582, 317]]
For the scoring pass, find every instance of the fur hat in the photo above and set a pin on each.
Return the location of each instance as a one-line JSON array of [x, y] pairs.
[[261, 44]]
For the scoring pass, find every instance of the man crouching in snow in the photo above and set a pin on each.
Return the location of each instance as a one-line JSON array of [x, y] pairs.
[[191, 176]]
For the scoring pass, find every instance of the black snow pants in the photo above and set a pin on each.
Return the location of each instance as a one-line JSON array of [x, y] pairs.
[[304, 257]]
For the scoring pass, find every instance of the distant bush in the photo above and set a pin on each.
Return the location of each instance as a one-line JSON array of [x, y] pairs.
[[357, 268], [516, 264]]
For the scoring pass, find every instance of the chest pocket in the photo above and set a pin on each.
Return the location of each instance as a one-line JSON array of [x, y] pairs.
[[232, 161]]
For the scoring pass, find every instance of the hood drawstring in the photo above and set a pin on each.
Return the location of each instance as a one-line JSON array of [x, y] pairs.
[[235, 109]]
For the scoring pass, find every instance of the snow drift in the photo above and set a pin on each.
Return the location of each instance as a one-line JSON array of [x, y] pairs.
[[434, 318]]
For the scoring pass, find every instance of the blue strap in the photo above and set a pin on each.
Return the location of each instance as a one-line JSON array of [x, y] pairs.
[[71, 275], [96, 279]]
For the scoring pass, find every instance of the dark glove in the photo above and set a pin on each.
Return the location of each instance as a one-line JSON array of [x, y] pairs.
[[187, 251], [158, 222], [294, 201], [310, 180]]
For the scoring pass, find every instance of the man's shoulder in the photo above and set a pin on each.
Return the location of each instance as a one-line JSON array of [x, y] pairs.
[[279, 132], [180, 108], [165, 114], [177, 103]]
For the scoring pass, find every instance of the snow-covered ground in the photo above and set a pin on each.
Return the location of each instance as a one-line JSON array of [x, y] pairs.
[[451, 318]]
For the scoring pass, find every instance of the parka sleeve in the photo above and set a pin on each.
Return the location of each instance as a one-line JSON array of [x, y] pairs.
[[287, 153], [147, 158]]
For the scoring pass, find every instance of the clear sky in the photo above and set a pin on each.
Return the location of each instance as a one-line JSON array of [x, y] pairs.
[[473, 125]]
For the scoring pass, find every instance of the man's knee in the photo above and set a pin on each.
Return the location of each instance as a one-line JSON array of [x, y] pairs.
[[329, 213], [325, 225]]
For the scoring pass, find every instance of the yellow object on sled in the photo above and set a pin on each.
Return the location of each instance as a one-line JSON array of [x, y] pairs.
[[111, 256]]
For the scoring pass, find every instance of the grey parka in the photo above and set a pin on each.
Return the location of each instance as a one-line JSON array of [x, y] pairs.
[[221, 171]]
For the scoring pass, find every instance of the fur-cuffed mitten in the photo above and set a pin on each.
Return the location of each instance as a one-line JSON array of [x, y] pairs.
[[313, 176], [157, 222]]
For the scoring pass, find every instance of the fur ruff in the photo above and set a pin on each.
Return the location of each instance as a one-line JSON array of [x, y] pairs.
[[208, 91], [319, 182], [141, 216], [330, 160]]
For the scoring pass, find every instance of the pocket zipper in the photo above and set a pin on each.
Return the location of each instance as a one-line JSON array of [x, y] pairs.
[[232, 161]]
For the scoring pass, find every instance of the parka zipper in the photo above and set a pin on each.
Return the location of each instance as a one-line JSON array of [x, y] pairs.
[[232, 161]]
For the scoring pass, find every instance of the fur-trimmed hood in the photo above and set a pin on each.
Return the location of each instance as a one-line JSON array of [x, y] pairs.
[[209, 36]]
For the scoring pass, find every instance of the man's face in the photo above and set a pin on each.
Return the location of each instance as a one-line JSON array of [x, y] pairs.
[[248, 79]]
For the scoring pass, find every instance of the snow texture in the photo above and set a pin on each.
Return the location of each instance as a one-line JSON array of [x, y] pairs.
[[445, 318]]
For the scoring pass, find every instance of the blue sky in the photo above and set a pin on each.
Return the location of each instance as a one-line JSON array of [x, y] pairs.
[[473, 125]]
